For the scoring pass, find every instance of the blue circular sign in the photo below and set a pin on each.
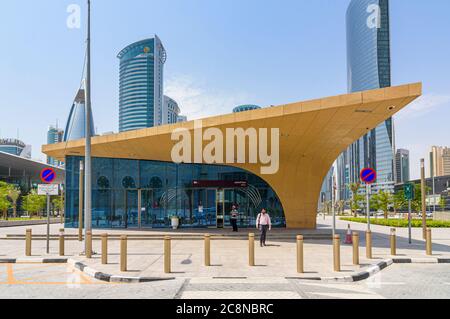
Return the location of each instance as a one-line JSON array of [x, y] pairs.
[[48, 175], [368, 175]]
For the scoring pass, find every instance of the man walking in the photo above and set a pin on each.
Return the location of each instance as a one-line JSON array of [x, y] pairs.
[[263, 223]]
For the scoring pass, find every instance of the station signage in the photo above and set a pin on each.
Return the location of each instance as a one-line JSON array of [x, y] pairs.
[[219, 184]]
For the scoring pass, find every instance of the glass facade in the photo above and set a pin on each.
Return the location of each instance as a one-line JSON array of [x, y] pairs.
[[15, 147], [173, 110], [369, 67], [54, 136], [141, 101], [243, 108], [76, 123], [146, 194], [402, 166]]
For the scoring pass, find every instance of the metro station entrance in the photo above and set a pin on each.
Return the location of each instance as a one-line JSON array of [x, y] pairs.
[[196, 207]]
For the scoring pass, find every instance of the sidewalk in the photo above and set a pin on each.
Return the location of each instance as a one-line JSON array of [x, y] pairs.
[[229, 258]]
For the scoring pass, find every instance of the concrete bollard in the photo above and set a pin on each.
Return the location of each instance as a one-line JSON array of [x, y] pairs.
[[300, 255], [429, 243], [207, 250], [393, 242], [369, 244], [104, 249], [337, 253], [251, 250], [355, 238], [61, 242], [167, 254], [88, 244], [28, 238]]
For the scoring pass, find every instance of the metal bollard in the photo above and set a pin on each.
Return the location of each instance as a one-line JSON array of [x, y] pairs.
[[61, 242], [28, 238], [337, 253], [393, 242], [123, 253], [300, 261], [207, 250], [355, 248], [369, 244], [104, 249], [251, 250], [167, 254], [429, 243], [88, 244]]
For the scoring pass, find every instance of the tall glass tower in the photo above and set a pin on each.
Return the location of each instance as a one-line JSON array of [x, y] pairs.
[[141, 102], [54, 135], [369, 67], [76, 123]]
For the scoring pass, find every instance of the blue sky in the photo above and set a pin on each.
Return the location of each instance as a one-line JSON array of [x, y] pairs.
[[220, 53]]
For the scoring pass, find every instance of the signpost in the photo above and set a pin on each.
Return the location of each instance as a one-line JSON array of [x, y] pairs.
[[409, 195], [368, 176], [48, 175]]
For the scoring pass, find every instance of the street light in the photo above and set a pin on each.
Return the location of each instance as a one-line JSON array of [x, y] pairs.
[[88, 162]]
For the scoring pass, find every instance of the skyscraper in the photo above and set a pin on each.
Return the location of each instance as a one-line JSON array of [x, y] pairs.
[[15, 147], [141, 102], [439, 161], [173, 110], [369, 67], [402, 166], [76, 123], [54, 136]]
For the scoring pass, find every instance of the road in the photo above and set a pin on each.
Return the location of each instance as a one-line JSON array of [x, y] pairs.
[[61, 281]]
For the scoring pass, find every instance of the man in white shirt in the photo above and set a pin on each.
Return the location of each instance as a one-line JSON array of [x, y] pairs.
[[263, 223]]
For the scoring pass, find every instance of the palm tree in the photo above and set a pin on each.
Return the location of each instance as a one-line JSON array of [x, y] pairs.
[[385, 200], [354, 187], [340, 206], [14, 195]]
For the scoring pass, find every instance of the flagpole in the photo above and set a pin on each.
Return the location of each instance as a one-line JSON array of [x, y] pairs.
[[87, 163]]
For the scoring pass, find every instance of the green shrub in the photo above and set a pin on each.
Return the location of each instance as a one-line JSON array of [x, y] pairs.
[[399, 223]]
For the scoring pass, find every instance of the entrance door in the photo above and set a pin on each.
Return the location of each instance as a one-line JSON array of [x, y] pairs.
[[205, 207], [153, 214], [238, 198], [131, 205]]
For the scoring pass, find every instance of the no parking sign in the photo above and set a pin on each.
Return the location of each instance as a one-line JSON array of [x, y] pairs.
[[48, 175], [368, 175]]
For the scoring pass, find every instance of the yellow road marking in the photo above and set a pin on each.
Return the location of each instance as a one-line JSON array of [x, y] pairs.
[[10, 274], [33, 268], [85, 280]]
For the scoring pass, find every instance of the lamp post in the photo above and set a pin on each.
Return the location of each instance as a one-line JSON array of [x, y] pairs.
[[424, 204], [87, 162]]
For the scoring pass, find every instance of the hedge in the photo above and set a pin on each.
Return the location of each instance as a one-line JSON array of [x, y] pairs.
[[400, 223]]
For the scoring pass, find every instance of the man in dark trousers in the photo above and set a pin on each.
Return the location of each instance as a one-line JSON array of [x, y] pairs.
[[234, 218], [264, 224]]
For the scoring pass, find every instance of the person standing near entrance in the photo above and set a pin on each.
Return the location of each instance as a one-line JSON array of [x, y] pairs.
[[234, 218], [264, 224]]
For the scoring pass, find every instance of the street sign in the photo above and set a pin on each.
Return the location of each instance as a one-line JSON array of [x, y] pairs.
[[48, 175], [48, 189], [409, 191], [368, 175]]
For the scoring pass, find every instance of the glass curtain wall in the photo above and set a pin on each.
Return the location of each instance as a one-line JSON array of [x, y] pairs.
[[146, 194]]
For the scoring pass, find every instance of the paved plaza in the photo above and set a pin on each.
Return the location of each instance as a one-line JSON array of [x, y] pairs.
[[274, 275]]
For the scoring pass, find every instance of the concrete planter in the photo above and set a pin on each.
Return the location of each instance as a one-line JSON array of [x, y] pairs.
[[175, 222]]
